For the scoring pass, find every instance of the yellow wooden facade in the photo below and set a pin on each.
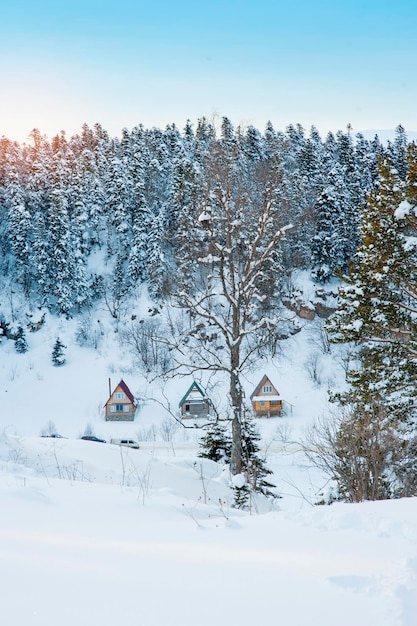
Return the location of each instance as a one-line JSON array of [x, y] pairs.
[[266, 401]]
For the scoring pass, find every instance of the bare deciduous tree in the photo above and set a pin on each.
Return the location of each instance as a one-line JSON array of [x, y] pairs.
[[232, 298], [359, 448], [144, 340]]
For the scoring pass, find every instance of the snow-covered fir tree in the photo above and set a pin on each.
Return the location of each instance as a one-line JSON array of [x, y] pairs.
[[21, 344], [58, 353], [378, 314], [216, 443], [379, 300]]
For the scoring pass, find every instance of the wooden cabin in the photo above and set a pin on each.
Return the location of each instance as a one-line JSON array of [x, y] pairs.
[[121, 406], [266, 401], [195, 403]]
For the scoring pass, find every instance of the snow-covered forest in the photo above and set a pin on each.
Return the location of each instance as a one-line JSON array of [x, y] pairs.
[[136, 201], [167, 256], [212, 227]]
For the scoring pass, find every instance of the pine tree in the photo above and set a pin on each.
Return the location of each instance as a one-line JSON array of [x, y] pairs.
[[216, 443], [137, 261], [252, 145], [187, 192], [21, 345], [297, 135], [228, 140], [58, 354], [119, 286], [310, 158], [156, 269], [332, 245], [366, 164], [87, 199], [378, 314], [253, 476], [41, 258], [19, 230], [254, 466], [189, 138], [380, 299], [241, 492], [65, 269], [397, 152]]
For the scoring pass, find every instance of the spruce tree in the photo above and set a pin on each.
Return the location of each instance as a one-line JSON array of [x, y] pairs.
[[332, 245], [254, 473], [252, 145], [157, 268], [19, 230], [254, 466], [65, 272], [137, 261], [41, 258], [187, 191], [380, 299], [58, 353], [21, 345], [378, 315], [397, 151], [216, 443]]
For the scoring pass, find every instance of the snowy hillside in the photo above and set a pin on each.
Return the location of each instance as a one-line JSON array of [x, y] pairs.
[[96, 534], [34, 392]]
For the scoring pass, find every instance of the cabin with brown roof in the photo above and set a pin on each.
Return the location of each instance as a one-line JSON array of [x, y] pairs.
[[266, 401], [121, 406], [195, 403]]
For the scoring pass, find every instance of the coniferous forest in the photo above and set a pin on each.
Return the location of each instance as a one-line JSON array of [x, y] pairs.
[[217, 220], [137, 199]]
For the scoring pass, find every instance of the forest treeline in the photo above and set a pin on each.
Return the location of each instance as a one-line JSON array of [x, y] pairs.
[[137, 199]]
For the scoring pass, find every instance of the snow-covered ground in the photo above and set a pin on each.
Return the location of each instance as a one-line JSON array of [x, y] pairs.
[[151, 541], [94, 534]]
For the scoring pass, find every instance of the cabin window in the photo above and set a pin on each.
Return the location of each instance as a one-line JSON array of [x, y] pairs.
[[262, 403], [273, 402], [124, 408], [187, 408], [119, 395], [267, 388]]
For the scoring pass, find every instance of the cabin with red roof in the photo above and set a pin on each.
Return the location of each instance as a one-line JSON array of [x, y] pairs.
[[121, 405], [266, 401]]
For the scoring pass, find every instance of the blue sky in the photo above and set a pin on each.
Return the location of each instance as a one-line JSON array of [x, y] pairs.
[[121, 63]]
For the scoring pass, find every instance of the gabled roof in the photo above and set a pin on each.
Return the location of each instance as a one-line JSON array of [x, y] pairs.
[[193, 385], [125, 389], [264, 380]]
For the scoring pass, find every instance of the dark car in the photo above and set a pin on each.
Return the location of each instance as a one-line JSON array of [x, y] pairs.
[[54, 436], [92, 438]]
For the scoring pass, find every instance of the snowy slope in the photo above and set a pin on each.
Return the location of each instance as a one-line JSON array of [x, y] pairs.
[[94, 534], [75, 552]]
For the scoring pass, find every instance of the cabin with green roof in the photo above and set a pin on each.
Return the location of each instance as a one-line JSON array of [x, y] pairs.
[[195, 403]]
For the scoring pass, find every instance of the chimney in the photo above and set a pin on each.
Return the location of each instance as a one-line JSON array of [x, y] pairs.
[[109, 387]]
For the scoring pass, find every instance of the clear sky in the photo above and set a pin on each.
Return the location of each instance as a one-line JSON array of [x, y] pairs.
[[125, 62]]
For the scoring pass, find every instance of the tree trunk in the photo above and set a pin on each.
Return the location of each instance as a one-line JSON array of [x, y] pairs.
[[237, 400]]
